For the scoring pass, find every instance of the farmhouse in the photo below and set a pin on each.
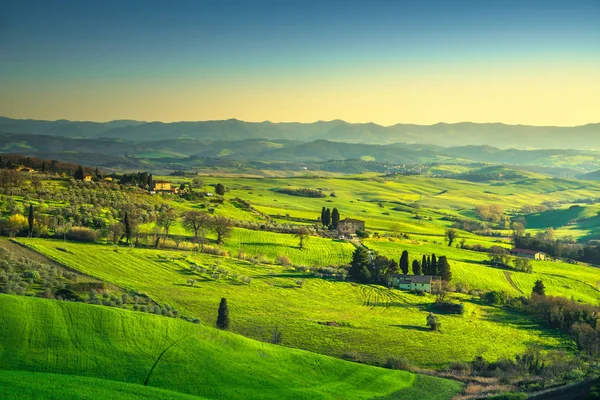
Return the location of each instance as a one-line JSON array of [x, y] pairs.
[[164, 187], [414, 282], [349, 226], [87, 177], [525, 253]]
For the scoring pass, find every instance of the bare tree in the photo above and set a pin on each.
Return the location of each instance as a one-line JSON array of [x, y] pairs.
[[198, 222], [222, 227], [302, 234], [165, 219]]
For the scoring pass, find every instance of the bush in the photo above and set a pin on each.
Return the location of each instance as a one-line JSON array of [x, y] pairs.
[[284, 261], [398, 363], [82, 234], [450, 308], [495, 297], [433, 323], [509, 396]]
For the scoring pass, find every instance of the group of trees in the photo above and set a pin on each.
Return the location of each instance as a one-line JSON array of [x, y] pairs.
[[500, 256], [330, 218], [429, 265], [560, 248], [367, 268]]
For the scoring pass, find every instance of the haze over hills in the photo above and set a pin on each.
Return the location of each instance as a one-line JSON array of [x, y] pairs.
[[460, 134]]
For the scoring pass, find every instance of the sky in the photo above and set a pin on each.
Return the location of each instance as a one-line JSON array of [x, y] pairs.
[[388, 62]]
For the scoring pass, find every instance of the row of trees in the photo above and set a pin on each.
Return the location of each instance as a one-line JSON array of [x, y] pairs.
[[330, 218], [367, 268], [429, 265]]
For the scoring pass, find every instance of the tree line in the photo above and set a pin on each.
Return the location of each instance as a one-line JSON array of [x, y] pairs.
[[368, 268]]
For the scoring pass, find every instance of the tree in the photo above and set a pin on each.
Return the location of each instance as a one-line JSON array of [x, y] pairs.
[[430, 271], [165, 219], [30, 220], [335, 218], [359, 266], [327, 217], [393, 268], [416, 267], [198, 222], [404, 262], [433, 266], [223, 317], [220, 189], [523, 264], [539, 288], [127, 228], [222, 227], [79, 173], [424, 266], [498, 255], [197, 183], [302, 234], [444, 269], [15, 224], [451, 234], [116, 231], [433, 323], [379, 269]]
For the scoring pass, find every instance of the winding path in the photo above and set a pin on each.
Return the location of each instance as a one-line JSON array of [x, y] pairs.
[[509, 279]]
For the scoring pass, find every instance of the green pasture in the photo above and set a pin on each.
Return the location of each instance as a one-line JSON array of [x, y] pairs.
[[329, 317], [48, 336]]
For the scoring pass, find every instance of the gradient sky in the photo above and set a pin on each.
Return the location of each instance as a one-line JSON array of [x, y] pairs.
[[517, 62]]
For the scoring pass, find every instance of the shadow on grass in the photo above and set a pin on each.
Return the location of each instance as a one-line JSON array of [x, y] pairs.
[[413, 327], [289, 275]]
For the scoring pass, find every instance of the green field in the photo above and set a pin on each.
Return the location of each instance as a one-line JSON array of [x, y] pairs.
[[27, 385], [117, 345], [371, 322], [580, 282]]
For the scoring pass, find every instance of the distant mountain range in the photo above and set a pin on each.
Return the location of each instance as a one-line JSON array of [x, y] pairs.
[[501, 136]]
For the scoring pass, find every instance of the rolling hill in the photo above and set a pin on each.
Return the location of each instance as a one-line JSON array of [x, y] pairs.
[[116, 345], [466, 133]]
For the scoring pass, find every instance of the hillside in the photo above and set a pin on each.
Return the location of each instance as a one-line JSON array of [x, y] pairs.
[[27, 385], [442, 134], [76, 339]]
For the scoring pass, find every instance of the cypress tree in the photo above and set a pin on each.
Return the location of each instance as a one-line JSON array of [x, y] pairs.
[[223, 317], [434, 267], [43, 166], [30, 219], [220, 189], [416, 267], [424, 268], [404, 262], [444, 267], [360, 265], [150, 182], [127, 227], [429, 270], [79, 173], [539, 288], [335, 218], [327, 217]]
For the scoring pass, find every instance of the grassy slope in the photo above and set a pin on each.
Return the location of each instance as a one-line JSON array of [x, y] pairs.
[[78, 339], [26, 385], [561, 279], [383, 323]]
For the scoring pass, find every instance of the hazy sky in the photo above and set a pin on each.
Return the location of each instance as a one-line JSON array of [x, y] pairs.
[[518, 62]]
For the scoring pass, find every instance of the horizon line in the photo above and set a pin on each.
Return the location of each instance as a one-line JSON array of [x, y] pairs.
[[297, 122]]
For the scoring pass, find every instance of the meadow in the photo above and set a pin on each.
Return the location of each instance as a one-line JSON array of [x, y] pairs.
[[97, 348], [342, 319]]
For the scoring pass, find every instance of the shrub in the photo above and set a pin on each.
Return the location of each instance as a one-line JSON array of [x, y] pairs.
[[82, 234], [433, 323], [509, 396], [398, 363], [284, 261]]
